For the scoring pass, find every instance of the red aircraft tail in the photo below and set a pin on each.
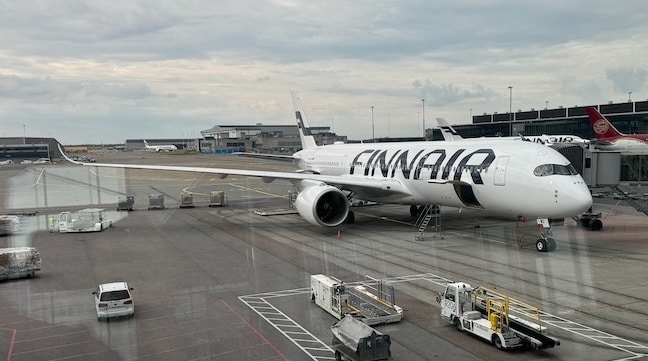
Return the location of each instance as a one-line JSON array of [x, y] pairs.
[[603, 129]]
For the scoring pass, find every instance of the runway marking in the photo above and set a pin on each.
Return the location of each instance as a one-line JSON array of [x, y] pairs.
[[259, 303]]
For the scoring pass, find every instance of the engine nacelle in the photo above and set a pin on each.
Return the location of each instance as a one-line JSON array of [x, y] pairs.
[[322, 205]]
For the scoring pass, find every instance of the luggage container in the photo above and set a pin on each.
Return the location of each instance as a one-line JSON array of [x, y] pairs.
[[357, 341], [84, 220], [19, 262], [125, 203], [9, 224], [216, 199], [156, 201], [186, 200]]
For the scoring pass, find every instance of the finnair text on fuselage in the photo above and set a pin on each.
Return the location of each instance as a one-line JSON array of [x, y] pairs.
[[554, 139], [421, 163]]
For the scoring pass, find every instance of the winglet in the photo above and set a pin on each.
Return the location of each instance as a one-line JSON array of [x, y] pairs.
[[602, 127], [305, 135], [65, 155], [448, 131]]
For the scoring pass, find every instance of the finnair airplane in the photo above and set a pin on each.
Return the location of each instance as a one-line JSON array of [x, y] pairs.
[[450, 134], [609, 138], [160, 148], [511, 179]]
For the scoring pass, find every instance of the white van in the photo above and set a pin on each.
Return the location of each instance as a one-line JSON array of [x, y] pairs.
[[114, 300]]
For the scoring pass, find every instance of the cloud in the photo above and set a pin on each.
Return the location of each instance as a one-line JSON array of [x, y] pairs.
[[627, 79]]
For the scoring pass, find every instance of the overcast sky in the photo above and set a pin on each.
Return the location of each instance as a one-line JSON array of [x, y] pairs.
[[104, 72]]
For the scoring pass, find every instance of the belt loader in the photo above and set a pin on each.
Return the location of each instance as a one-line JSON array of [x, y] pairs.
[[494, 317]]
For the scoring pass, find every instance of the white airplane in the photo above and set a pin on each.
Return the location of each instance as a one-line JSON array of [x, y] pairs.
[[512, 179], [450, 134], [7, 162], [160, 148]]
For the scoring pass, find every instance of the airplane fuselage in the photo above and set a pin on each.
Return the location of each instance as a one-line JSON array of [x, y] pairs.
[[629, 144], [489, 175]]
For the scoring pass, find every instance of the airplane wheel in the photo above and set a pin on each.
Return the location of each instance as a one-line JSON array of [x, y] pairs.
[[338, 356], [541, 245], [551, 244]]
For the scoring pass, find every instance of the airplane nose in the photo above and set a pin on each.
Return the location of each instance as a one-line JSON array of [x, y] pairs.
[[580, 198]]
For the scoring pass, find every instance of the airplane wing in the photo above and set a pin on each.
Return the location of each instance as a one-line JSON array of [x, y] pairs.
[[279, 157], [301, 180]]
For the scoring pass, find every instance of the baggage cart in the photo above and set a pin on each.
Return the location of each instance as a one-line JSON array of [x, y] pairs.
[[186, 200], [358, 341], [217, 199], [156, 201], [125, 203]]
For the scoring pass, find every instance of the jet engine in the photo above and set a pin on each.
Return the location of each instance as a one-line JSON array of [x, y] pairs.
[[322, 205]]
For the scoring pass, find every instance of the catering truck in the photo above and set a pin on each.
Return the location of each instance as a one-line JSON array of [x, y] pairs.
[[19, 262], [503, 321], [84, 220]]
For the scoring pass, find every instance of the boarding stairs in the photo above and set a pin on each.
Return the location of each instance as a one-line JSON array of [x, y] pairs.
[[428, 213]]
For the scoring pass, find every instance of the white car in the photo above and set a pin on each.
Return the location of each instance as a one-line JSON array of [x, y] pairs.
[[114, 300]]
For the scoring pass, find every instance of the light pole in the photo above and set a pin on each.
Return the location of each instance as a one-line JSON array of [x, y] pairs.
[[24, 135], [629, 97], [424, 133], [546, 104], [510, 110], [373, 134]]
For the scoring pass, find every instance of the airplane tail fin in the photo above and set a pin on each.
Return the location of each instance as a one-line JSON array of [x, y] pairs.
[[546, 140], [146, 143], [305, 135], [448, 131], [602, 127]]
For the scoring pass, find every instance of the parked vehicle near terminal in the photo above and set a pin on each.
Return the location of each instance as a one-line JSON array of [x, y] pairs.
[[114, 300], [41, 161], [19, 262]]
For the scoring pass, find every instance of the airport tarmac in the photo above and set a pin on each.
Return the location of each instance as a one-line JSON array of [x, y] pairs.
[[224, 283]]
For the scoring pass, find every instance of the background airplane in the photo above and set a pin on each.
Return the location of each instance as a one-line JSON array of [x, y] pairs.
[[512, 179], [609, 138], [160, 148], [450, 134]]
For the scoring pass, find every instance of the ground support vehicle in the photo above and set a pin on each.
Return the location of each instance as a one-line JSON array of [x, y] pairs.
[[125, 203], [186, 200], [84, 220], [505, 322], [19, 262], [591, 220], [156, 201], [339, 299], [217, 199], [9, 224], [357, 341]]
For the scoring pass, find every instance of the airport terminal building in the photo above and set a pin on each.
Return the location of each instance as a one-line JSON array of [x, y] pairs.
[[628, 117]]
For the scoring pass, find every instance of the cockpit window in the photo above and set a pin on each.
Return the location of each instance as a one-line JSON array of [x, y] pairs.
[[554, 169]]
